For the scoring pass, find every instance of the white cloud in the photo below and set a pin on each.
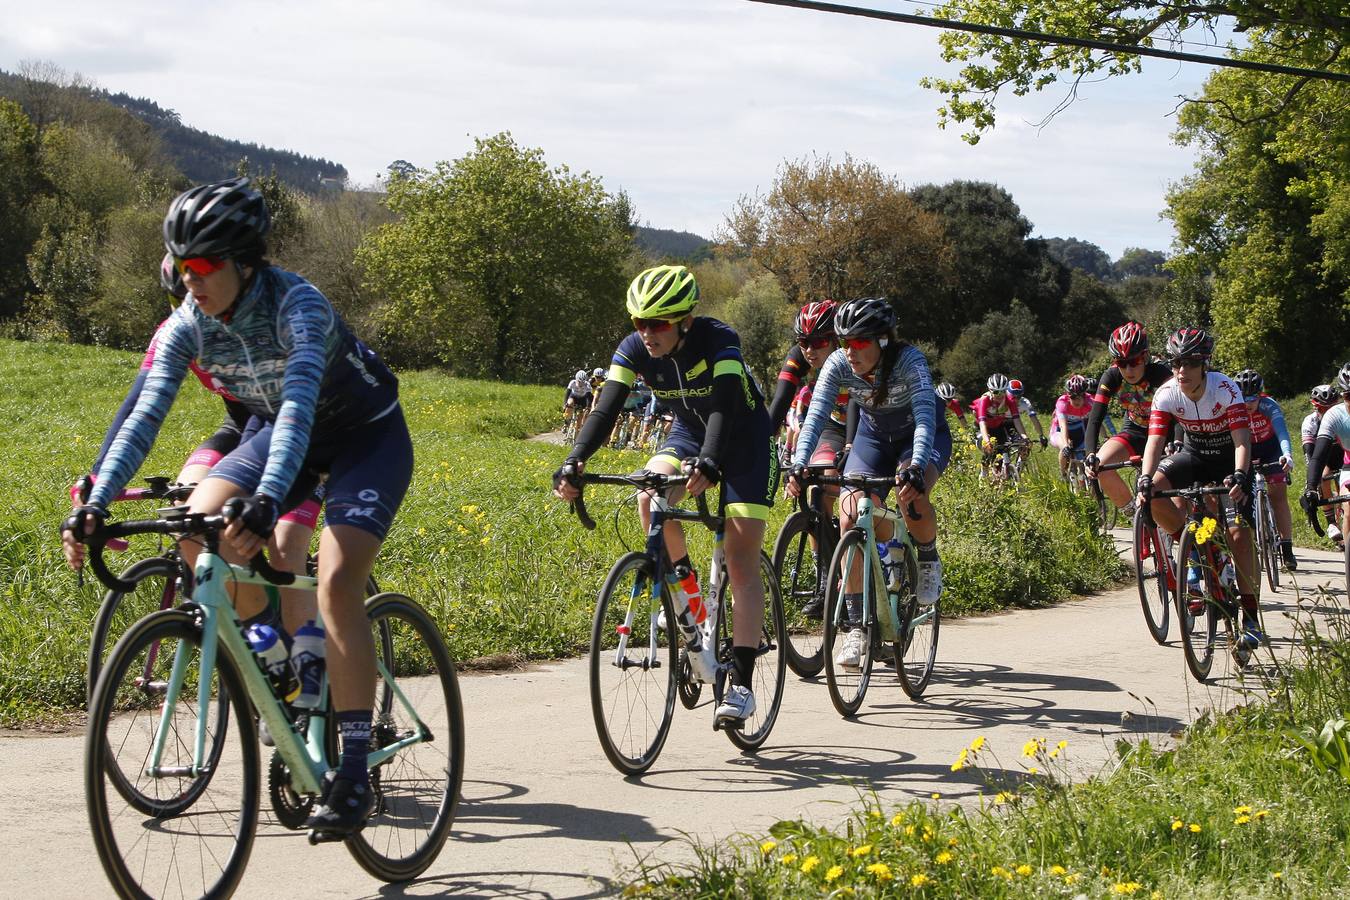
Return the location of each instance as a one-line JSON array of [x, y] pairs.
[[686, 104]]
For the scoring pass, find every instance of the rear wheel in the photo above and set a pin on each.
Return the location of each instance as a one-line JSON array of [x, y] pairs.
[[1199, 628], [847, 684], [632, 666], [1154, 576], [916, 647], [800, 567]]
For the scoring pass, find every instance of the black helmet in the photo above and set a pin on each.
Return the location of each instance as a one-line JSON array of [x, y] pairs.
[[1323, 395], [947, 391], [997, 383], [1343, 379], [1250, 383], [864, 317], [1076, 384], [1190, 342], [227, 219], [170, 278]]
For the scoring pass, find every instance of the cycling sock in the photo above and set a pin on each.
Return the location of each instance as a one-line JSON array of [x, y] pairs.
[[682, 561], [354, 726], [853, 604], [927, 552], [743, 671]]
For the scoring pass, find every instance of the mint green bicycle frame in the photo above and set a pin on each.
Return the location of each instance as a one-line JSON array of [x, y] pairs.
[[868, 513]]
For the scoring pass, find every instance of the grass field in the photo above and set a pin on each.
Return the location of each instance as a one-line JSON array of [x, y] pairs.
[[502, 566]]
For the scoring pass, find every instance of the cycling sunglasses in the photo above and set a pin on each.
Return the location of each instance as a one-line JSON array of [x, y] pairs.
[[859, 343], [1187, 362], [1132, 362], [814, 343], [654, 325], [201, 266]]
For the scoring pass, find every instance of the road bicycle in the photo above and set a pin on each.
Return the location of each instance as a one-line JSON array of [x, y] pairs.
[[1154, 569], [1266, 532], [801, 556], [1003, 462], [1076, 474], [1206, 585], [1110, 516], [573, 417], [891, 613], [626, 430], [156, 717], [1317, 527], [635, 671], [660, 431]]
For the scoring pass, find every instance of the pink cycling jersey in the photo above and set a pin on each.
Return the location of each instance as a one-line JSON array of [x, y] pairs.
[[1075, 415], [994, 411], [206, 378]]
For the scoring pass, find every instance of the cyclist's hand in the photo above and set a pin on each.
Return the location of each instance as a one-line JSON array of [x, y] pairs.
[[1091, 462], [251, 522], [79, 491], [1045, 442], [82, 522], [1309, 501], [910, 481], [1287, 464], [565, 487], [703, 473], [793, 486], [1239, 485], [1172, 447]]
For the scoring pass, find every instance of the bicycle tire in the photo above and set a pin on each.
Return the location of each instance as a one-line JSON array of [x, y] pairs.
[[847, 689], [1270, 548], [114, 611], [799, 572], [1151, 564], [224, 823], [689, 689], [1199, 632], [424, 775], [628, 752], [916, 646], [770, 661]]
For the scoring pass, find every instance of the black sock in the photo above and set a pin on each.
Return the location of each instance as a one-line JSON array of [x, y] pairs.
[[743, 671], [853, 609], [927, 552], [675, 567], [354, 726]]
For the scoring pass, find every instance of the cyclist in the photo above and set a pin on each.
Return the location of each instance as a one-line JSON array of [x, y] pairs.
[[597, 382], [1092, 386], [899, 433], [1025, 409], [1216, 447], [330, 406], [576, 399], [1332, 430], [1132, 378], [1322, 398], [946, 392], [695, 364], [1070, 423], [998, 419], [814, 334], [1270, 445], [633, 406]]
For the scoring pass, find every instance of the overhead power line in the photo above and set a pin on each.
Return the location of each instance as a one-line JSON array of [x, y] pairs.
[[1045, 38]]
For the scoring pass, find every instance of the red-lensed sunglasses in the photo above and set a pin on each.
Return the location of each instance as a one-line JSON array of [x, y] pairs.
[[859, 343], [1132, 362], [815, 343], [201, 266], [656, 325]]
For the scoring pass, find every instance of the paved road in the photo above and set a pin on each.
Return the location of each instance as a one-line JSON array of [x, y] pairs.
[[545, 816]]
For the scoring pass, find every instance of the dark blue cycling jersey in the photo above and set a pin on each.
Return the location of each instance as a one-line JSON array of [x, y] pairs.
[[284, 352]]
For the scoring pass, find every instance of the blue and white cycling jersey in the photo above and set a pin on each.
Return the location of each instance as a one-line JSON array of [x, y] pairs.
[[910, 405], [289, 358], [1336, 424]]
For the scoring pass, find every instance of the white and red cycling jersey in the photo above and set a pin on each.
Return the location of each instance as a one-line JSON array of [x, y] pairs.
[[1208, 423]]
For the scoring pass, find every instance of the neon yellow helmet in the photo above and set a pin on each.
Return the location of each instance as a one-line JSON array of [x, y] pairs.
[[663, 292]]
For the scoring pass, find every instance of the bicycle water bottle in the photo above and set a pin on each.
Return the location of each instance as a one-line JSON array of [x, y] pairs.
[[689, 610], [266, 644], [307, 659], [896, 556], [1229, 577]]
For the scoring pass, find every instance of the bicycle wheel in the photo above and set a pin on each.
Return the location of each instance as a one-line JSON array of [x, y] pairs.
[[416, 790], [1198, 632], [770, 661], [1270, 541], [916, 646], [632, 667], [1153, 572], [800, 567], [847, 684], [195, 852], [156, 588]]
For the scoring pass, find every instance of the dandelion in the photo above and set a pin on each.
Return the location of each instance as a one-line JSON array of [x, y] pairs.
[[1277, 875], [1058, 871], [976, 744], [936, 796], [833, 872], [1195, 828], [1033, 771], [858, 852], [880, 871], [1024, 870], [897, 819], [1073, 878], [943, 858], [919, 880], [788, 859], [952, 842], [809, 864], [767, 847], [1001, 872], [1177, 824], [1241, 810], [874, 813], [1032, 747], [909, 831], [1260, 814], [1061, 745], [1002, 797], [421, 532], [1125, 887], [961, 761], [1241, 820]]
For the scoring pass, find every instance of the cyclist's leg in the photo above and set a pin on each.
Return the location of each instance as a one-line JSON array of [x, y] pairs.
[[1175, 471], [1060, 442], [826, 452], [289, 552], [1127, 442], [209, 496], [678, 446]]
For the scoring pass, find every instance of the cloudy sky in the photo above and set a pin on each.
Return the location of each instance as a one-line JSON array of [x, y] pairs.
[[685, 104]]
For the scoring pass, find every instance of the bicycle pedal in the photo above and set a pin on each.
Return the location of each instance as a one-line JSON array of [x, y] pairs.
[[724, 723], [317, 837]]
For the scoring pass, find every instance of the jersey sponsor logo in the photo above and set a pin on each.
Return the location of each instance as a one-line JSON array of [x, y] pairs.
[[359, 365], [368, 496], [697, 370], [359, 512], [686, 393]]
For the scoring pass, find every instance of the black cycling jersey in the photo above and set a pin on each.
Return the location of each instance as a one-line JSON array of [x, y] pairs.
[[1135, 399]]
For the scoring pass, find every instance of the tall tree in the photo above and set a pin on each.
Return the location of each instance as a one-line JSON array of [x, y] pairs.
[[1084, 256], [20, 183], [500, 265]]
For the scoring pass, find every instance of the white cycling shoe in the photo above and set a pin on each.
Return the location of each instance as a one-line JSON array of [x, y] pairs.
[[737, 703], [850, 655]]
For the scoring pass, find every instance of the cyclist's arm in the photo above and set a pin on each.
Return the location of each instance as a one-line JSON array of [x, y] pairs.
[[790, 376], [923, 404], [1161, 425], [1017, 421], [308, 318], [1276, 416], [123, 411], [1321, 452], [822, 403], [1242, 448], [728, 394]]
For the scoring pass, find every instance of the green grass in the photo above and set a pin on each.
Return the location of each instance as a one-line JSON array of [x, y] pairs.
[[1241, 807], [504, 568]]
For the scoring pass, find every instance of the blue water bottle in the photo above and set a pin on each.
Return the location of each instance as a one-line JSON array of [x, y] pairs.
[[266, 643], [307, 659]]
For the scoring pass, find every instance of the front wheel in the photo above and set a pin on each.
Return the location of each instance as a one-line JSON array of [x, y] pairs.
[[632, 666], [1154, 574], [916, 644], [1269, 540], [1199, 628], [417, 705], [770, 662], [800, 568], [847, 683]]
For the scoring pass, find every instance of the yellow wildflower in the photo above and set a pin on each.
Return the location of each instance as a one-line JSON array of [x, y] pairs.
[[977, 743], [874, 813], [961, 760], [767, 847], [1241, 820], [881, 871], [919, 880], [1024, 870], [833, 873], [1177, 824], [952, 842], [1000, 872], [897, 819], [1058, 871], [1125, 887], [1073, 878], [1277, 875], [1002, 797], [788, 859], [1195, 828], [1241, 810], [1032, 747], [943, 858], [1033, 771], [857, 852], [1260, 814], [1061, 745], [936, 796], [810, 863]]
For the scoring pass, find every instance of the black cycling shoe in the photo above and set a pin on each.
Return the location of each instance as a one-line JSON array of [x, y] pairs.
[[1287, 553], [814, 609], [343, 811]]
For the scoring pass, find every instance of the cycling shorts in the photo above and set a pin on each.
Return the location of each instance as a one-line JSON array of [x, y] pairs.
[[749, 470], [1133, 436], [1186, 468], [880, 455], [582, 401], [829, 445], [1267, 453], [369, 468], [1006, 433]]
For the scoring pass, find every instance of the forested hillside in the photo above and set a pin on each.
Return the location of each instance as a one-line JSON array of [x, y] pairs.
[[665, 243]]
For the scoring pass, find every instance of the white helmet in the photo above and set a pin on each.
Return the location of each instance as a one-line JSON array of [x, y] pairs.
[[581, 375], [596, 373]]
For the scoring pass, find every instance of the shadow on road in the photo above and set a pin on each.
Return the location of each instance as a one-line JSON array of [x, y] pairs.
[[517, 884], [500, 812]]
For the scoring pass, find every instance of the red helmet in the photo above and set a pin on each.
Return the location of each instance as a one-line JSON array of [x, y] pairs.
[[815, 320], [1127, 341]]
